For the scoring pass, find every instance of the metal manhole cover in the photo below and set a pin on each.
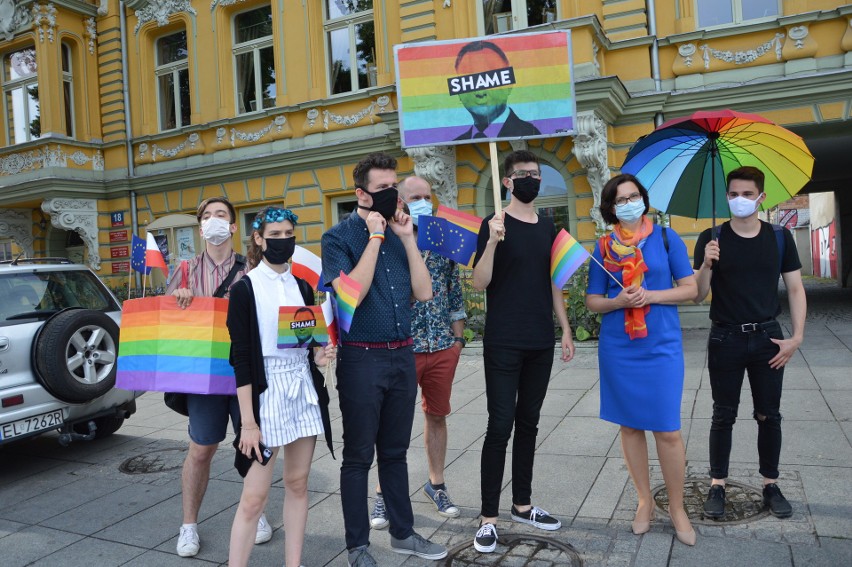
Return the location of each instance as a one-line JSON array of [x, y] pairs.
[[743, 503], [516, 550], [161, 460]]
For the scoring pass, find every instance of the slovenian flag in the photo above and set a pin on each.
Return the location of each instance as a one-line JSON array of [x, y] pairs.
[[566, 256], [153, 256], [307, 265], [348, 292]]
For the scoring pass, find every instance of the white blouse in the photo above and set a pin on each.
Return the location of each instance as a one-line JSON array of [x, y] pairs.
[[271, 291]]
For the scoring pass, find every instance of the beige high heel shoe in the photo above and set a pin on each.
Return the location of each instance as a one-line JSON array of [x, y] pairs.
[[686, 538], [643, 526]]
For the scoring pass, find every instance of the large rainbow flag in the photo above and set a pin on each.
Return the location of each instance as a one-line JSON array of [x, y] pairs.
[[165, 348], [566, 256], [429, 87]]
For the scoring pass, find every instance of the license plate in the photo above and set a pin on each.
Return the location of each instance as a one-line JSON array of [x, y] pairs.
[[27, 425]]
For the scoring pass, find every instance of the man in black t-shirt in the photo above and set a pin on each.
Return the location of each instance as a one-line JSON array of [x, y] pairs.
[[518, 344], [745, 335]]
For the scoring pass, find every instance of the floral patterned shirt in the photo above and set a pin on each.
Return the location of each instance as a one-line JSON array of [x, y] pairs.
[[432, 320]]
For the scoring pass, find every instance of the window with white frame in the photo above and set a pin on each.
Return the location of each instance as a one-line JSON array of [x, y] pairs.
[[67, 91], [351, 43], [20, 96], [172, 72], [254, 60], [720, 12], [503, 15]]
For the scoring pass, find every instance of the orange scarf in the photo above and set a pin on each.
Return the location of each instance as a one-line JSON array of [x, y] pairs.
[[621, 253]]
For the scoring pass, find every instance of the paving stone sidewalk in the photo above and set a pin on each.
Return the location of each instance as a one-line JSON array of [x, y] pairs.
[[117, 501]]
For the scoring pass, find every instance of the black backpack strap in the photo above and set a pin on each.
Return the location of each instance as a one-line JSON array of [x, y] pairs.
[[307, 291], [665, 238], [781, 242], [239, 264]]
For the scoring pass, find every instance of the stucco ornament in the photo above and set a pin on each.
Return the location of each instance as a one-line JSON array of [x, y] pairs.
[[798, 35], [437, 165], [160, 11], [745, 56], [79, 215], [44, 21], [590, 147], [17, 224], [12, 17], [687, 50]]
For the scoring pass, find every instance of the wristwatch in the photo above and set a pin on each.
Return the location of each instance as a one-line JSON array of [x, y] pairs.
[[460, 340]]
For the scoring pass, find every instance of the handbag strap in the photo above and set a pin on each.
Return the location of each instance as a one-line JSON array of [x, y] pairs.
[[239, 264]]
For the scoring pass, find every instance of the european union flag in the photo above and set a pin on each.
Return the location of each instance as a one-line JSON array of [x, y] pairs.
[[137, 255], [446, 238]]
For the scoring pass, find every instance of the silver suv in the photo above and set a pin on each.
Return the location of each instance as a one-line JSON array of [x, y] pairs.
[[58, 352]]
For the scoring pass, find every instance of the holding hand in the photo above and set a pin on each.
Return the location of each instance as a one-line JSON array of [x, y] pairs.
[[376, 222], [401, 224], [184, 297], [496, 228], [711, 253], [324, 355], [631, 297], [250, 440]]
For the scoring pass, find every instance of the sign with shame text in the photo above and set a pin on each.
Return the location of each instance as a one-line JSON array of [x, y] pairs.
[[301, 327], [486, 89]]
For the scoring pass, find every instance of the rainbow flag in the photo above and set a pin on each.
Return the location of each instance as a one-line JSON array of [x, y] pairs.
[[165, 348], [566, 255], [464, 220], [348, 292], [538, 74], [301, 327]]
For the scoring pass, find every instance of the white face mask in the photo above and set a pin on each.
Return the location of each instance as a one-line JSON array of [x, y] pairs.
[[743, 207], [215, 230], [420, 207]]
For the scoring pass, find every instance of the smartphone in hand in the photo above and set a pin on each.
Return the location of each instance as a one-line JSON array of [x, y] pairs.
[[265, 454]]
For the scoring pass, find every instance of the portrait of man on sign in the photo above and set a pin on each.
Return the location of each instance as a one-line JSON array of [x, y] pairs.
[[483, 85]]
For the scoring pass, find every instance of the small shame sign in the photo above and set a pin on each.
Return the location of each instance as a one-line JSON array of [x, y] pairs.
[[481, 81]]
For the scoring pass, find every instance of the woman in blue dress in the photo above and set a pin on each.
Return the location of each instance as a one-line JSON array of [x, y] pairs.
[[640, 351]]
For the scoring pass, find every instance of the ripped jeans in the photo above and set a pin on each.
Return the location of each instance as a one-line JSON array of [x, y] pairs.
[[731, 353]]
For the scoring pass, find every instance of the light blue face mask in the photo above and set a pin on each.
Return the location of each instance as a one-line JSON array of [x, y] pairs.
[[419, 207], [630, 211]]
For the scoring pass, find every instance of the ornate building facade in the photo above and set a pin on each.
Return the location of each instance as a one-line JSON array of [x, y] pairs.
[[120, 117]]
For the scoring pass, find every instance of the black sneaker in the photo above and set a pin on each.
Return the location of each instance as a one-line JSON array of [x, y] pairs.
[[536, 517], [775, 501], [714, 506], [486, 538]]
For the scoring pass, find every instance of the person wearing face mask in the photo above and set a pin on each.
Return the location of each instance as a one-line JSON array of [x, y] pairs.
[[438, 326], [209, 274], [512, 264], [640, 353], [282, 396], [376, 372], [744, 335]]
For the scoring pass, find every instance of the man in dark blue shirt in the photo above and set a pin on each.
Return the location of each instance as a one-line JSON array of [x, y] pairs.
[[376, 376]]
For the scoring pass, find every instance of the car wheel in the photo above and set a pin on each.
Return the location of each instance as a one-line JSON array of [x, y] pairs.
[[106, 426], [76, 353]]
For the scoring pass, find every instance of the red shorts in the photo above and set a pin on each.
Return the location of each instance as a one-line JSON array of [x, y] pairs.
[[435, 373]]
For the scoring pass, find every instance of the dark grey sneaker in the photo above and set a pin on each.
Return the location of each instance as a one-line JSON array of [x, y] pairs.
[[417, 545], [536, 517], [775, 501], [486, 538], [442, 501], [360, 557], [714, 506]]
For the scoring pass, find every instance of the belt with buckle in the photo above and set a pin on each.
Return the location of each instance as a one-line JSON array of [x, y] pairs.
[[389, 345], [746, 327]]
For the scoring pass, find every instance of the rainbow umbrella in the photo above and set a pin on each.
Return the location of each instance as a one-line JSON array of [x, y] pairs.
[[684, 162]]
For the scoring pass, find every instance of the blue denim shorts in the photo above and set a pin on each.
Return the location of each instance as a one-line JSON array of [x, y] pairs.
[[208, 417]]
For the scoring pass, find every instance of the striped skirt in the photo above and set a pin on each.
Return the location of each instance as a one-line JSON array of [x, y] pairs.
[[289, 408]]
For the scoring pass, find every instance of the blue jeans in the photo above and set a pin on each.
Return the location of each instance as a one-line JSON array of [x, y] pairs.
[[376, 389], [515, 386], [731, 353]]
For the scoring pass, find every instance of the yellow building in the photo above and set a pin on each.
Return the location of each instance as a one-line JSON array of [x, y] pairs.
[[119, 117]]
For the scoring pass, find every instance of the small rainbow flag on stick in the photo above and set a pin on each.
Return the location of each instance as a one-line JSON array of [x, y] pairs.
[[168, 349], [566, 256], [348, 292]]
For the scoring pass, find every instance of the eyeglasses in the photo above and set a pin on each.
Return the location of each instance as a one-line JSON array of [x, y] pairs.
[[621, 201], [521, 173]]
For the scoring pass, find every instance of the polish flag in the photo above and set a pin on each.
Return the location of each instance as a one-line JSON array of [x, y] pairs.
[[307, 265], [153, 256], [328, 309]]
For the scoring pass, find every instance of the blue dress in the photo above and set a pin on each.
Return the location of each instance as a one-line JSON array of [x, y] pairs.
[[642, 380]]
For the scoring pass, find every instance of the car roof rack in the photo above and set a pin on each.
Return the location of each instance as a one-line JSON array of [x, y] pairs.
[[19, 260]]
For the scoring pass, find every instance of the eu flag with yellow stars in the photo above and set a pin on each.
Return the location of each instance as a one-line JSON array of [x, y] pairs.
[[137, 255], [446, 238]]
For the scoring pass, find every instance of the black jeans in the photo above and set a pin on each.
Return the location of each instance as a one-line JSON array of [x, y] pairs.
[[377, 389], [515, 385], [730, 354]]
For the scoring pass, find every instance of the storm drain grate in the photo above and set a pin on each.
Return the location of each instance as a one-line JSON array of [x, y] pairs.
[[742, 502], [161, 460], [516, 550]]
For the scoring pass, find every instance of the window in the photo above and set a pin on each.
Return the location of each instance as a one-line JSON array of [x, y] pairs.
[[351, 41], [5, 250], [67, 91], [172, 72], [20, 96], [720, 12], [254, 60], [504, 15]]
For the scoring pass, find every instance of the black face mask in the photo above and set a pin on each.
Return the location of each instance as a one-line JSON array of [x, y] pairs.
[[384, 202], [279, 250], [525, 189]]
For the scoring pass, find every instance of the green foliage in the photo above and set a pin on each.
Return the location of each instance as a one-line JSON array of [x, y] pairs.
[[584, 323]]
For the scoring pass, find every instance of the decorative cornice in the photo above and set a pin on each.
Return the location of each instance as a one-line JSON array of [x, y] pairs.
[[215, 3], [17, 224], [15, 163], [160, 11], [190, 143], [437, 165], [276, 129], [749, 55], [79, 215], [590, 147]]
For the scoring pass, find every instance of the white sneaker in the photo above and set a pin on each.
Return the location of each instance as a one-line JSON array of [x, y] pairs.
[[264, 530], [188, 543]]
